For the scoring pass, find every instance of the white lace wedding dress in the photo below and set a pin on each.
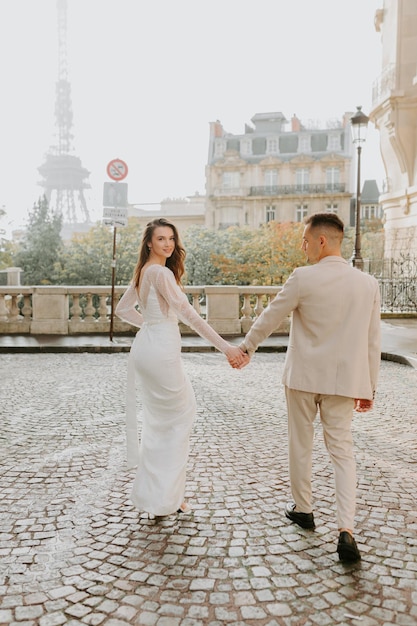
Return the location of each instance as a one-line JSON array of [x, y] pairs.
[[167, 397]]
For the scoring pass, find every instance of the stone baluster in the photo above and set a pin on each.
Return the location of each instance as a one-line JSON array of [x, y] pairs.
[[89, 309], [196, 302], [259, 307], [27, 307], [76, 310], [4, 313], [14, 309], [102, 309], [246, 319]]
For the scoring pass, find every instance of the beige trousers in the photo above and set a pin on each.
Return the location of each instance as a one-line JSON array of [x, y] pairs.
[[336, 418]]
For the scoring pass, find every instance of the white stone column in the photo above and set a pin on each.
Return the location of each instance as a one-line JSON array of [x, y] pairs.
[[50, 311], [223, 308], [13, 276]]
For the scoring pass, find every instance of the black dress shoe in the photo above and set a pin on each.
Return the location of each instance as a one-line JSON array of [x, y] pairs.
[[305, 520], [347, 549]]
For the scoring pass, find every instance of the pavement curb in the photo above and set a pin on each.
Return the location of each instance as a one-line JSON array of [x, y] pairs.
[[119, 348]]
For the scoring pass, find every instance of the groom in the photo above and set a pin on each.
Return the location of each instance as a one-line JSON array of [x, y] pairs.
[[331, 366]]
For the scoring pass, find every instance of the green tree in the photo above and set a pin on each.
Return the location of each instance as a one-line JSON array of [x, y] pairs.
[[238, 262], [265, 256], [201, 245], [279, 247], [2, 216], [7, 248], [87, 258], [348, 242], [127, 250], [40, 251], [373, 240], [372, 243]]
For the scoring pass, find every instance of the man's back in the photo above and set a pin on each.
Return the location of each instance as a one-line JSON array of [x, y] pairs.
[[334, 345]]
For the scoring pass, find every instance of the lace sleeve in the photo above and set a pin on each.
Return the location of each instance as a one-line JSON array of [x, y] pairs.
[[168, 289], [126, 308]]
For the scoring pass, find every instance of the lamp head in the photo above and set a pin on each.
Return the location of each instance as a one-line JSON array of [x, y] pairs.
[[359, 125]]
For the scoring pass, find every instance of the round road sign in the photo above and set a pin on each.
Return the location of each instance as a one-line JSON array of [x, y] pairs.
[[117, 169]]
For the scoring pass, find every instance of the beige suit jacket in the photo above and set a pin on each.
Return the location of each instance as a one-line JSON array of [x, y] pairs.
[[334, 343]]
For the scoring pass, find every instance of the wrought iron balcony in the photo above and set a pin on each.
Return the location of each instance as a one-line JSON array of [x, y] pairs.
[[296, 190], [384, 84]]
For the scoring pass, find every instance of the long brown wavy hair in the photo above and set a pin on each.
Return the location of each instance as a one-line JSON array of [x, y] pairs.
[[175, 262]]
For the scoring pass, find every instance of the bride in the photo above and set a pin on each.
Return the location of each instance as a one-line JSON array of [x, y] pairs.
[[154, 301]]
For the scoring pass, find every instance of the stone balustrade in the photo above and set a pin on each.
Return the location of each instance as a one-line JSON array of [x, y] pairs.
[[67, 310]]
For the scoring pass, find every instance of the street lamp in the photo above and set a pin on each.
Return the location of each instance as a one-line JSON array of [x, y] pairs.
[[359, 125]]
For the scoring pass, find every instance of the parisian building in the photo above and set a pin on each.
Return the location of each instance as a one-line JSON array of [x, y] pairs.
[[279, 169], [184, 212], [394, 113], [370, 206]]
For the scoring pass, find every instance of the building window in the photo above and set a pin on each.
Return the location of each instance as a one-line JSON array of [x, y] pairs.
[[304, 144], [229, 217], [231, 180], [302, 176], [246, 147], [370, 211], [331, 207], [219, 148], [272, 146], [332, 177], [270, 214], [301, 212], [271, 178], [333, 142]]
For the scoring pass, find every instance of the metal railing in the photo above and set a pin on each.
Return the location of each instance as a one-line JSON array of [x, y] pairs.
[[384, 84], [286, 190], [398, 283]]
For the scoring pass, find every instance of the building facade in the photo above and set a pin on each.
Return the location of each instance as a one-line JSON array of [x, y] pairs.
[[278, 170], [370, 206], [184, 212], [394, 113]]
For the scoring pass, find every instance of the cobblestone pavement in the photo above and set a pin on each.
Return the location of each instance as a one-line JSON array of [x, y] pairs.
[[74, 551]]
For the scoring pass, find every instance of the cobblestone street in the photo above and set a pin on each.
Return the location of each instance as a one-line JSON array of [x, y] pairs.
[[73, 550]]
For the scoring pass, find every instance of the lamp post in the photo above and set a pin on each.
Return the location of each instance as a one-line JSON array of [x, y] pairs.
[[359, 125]]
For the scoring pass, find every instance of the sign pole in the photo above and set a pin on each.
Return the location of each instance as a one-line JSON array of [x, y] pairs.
[[115, 212], [113, 277]]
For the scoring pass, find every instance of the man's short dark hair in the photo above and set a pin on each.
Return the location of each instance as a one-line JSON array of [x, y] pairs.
[[325, 220]]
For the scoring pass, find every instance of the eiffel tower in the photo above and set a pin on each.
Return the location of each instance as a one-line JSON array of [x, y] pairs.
[[64, 178]]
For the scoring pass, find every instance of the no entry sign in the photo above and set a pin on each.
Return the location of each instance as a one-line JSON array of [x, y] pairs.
[[117, 169]]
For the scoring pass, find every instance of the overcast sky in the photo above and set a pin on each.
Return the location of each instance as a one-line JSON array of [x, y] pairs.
[[147, 77]]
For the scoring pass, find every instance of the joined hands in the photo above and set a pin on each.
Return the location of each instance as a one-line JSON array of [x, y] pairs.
[[237, 358]]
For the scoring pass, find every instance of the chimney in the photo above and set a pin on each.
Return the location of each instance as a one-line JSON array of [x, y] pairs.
[[217, 129], [346, 118], [295, 124]]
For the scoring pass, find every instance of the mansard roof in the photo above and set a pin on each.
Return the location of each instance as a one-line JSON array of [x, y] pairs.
[[370, 192]]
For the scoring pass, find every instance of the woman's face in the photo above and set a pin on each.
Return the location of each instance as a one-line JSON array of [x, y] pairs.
[[162, 243]]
